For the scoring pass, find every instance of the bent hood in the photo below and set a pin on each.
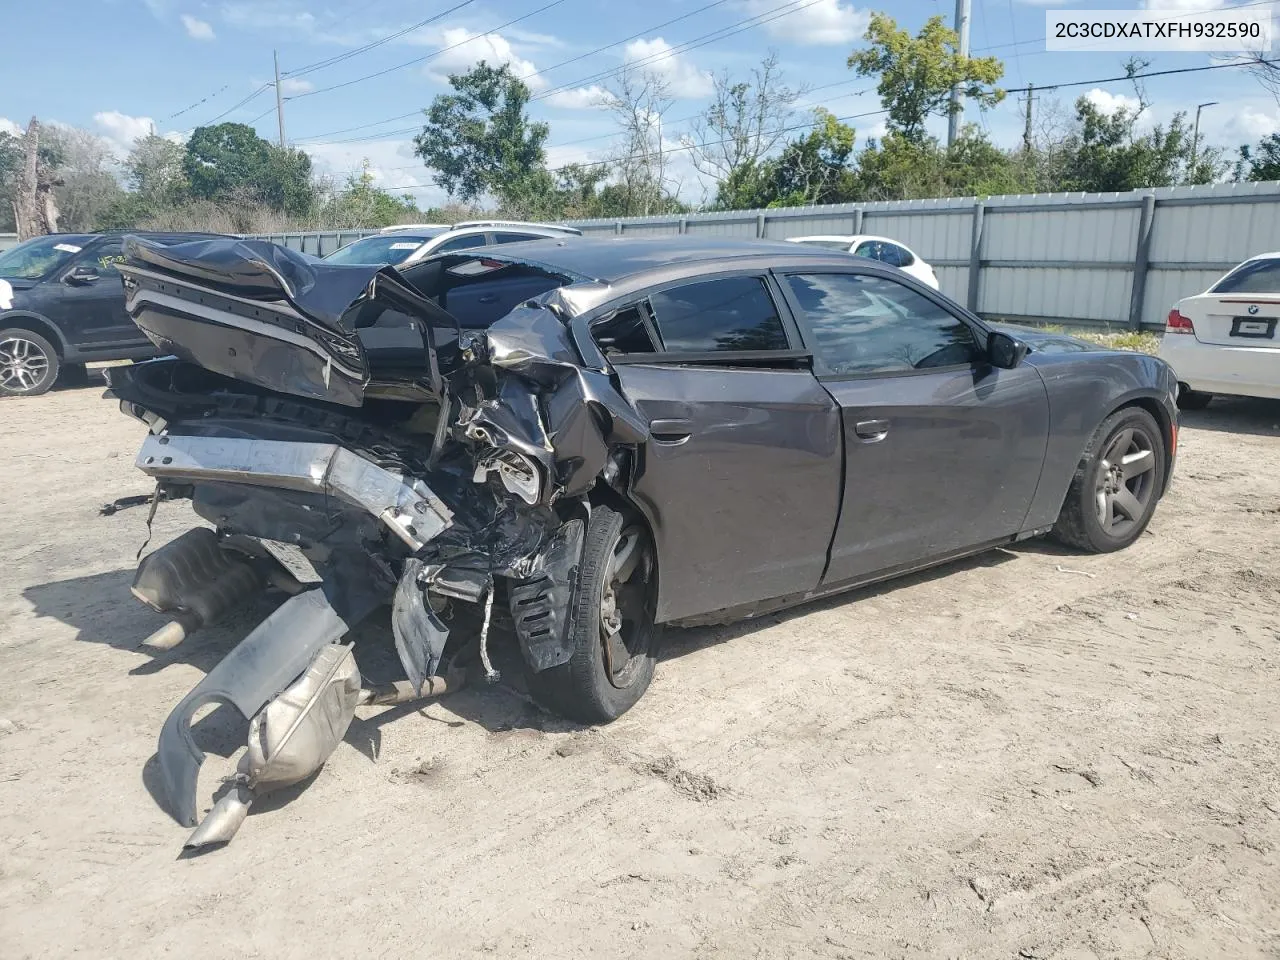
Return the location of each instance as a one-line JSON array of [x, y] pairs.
[[267, 315]]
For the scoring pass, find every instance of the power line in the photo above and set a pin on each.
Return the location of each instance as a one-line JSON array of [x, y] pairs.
[[430, 56], [723, 33], [714, 35], [331, 61], [1137, 76], [205, 99], [236, 106]]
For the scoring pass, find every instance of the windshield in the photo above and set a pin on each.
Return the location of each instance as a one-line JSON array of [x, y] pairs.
[[388, 248], [40, 256]]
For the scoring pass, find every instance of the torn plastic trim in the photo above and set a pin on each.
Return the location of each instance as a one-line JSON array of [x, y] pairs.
[[407, 506]]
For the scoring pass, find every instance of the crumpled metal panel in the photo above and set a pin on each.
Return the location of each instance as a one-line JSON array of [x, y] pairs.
[[542, 608]]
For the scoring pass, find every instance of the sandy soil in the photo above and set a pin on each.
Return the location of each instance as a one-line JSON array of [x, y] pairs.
[[1033, 754]]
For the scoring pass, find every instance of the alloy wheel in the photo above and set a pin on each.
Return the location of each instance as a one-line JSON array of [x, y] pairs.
[[23, 364], [624, 628], [1126, 480]]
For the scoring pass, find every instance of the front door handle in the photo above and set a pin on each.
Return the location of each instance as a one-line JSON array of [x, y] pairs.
[[671, 432], [872, 431]]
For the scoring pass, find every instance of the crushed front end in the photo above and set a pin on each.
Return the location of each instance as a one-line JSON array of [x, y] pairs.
[[455, 474]]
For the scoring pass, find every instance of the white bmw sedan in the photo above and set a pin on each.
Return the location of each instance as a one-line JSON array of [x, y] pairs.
[[1224, 341]]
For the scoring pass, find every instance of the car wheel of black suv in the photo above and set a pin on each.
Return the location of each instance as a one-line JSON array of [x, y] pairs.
[[28, 363], [1116, 486], [614, 638]]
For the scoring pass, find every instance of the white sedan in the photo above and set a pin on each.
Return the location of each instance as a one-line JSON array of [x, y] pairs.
[[877, 248], [1224, 341]]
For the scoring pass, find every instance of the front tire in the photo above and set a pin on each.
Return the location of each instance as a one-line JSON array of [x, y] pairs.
[[614, 637], [1116, 485], [28, 363]]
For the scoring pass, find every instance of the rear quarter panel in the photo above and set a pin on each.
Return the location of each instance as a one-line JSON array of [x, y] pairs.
[[1084, 388]]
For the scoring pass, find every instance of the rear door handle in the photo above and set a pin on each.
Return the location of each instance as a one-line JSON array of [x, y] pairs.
[[872, 431], [671, 432]]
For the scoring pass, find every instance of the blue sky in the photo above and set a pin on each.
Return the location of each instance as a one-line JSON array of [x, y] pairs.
[[117, 67]]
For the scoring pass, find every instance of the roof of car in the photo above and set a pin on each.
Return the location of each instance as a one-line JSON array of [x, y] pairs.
[[609, 259]]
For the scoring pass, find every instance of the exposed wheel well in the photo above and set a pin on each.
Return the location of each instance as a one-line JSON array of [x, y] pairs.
[[27, 321]]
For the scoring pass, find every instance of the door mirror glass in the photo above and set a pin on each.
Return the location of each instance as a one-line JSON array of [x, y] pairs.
[[82, 276], [1004, 351]]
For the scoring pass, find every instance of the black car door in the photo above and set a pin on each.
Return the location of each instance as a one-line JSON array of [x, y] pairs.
[[741, 475], [943, 450], [89, 302]]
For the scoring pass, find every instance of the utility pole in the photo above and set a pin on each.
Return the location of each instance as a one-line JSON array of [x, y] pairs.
[[279, 98], [963, 9], [1026, 131], [1195, 138]]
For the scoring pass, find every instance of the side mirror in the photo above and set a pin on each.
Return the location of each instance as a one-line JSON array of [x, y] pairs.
[[1004, 351], [82, 276]]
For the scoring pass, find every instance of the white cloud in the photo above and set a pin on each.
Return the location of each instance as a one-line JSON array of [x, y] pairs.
[[392, 164], [291, 86], [1249, 124], [656, 56], [8, 126], [1109, 103], [270, 16], [197, 29], [814, 23], [119, 130], [1180, 5], [579, 98], [462, 49]]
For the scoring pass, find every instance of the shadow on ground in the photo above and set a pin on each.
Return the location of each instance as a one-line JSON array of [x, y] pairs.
[[1239, 415]]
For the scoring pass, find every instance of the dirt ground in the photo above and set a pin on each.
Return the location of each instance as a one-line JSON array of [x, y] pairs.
[[1034, 754]]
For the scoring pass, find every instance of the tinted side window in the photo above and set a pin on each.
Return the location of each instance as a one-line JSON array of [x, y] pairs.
[[1260, 276], [869, 249], [623, 332], [872, 325], [514, 237], [891, 254], [736, 313], [462, 243], [905, 257]]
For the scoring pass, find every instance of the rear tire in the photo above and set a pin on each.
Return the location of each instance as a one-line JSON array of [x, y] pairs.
[[28, 363], [1116, 484], [604, 678], [1189, 399]]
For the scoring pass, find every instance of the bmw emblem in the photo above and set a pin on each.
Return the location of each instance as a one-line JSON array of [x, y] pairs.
[[1253, 308]]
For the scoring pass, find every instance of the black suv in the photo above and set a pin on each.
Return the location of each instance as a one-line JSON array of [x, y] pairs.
[[62, 305]]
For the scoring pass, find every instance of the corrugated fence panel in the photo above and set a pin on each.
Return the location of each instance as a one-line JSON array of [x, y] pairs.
[[1055, 293], [8, 241], [721, 228], [1055, 257]]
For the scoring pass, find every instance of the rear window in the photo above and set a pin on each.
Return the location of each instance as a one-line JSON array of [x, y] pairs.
[[735, 313], [390, 248], [1256, 276]]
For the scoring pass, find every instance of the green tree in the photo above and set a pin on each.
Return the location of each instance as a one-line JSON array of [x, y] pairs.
[[917, 73], [1262, 164], [231, 163], [479, 139], [1107, 153], [813, 168], [363, 204], [154, 170]]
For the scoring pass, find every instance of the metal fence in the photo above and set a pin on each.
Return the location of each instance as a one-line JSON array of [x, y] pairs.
[[1087, 259], [1095, 259]]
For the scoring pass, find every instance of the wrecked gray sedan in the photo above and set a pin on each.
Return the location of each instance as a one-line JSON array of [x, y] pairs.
[[594, 437]]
